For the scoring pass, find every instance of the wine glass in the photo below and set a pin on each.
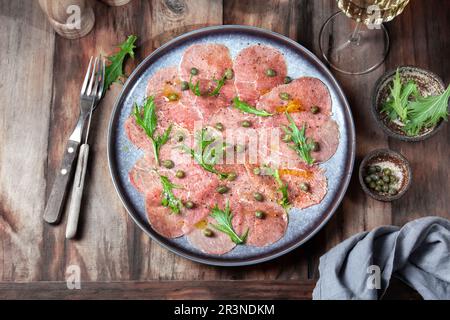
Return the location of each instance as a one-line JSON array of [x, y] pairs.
[[358, 45]]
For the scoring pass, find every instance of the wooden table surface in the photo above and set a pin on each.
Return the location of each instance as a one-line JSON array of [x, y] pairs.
[[39, 87]]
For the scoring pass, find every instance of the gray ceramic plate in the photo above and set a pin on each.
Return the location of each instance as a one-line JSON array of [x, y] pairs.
[[303, 224]]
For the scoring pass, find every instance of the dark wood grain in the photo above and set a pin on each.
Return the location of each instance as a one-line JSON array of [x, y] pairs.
[[27, 46], [39, 88], [180, 290]]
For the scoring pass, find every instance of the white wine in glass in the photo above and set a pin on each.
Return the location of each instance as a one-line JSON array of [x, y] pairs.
[[361, 10], [360, 44]]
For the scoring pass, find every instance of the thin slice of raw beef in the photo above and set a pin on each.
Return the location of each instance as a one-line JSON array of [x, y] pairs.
[[219, 243], [276, 152], [326, 135], [293, 177], [250, 67], [304, 93], [163, 221], [164, 83], [137, 135], [211, 61], [313, 176], [261, 232]]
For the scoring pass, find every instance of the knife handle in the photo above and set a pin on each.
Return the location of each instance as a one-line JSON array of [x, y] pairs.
[[57, 198], [77, 192]]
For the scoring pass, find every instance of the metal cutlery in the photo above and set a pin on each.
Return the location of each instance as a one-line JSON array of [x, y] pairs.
[[88, 101], [95, 88]]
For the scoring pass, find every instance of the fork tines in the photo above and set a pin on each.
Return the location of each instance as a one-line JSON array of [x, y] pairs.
[[94, 79]]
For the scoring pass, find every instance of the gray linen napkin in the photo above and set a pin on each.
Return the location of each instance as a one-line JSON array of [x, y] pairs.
[[418, 254]]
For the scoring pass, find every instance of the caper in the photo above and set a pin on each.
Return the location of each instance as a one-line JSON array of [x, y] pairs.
[[393, 179], [271, 73], [304, 186], [374, 177], [287, 138], [316, 146], [232, 176], [257, 171], [386, 179], [385, 188], [179, 138], [222, 189], [184, 85], [380, 182], [229, 74], [189, 204], [173, 97], [387, 171], [367, 179], [372, 169], [208, 232], [284, 96], [180, 174], [246, 124], [194, 71], [392, 191], [315, 109], [372, 185], [260, 214], [378, 188], [258, 196], [287, 80], [219, 126], [378, 168], [168, 164]]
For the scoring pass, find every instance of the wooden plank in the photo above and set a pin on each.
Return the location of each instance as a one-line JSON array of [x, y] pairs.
[[195, 290], [26, 43], [179, 290]]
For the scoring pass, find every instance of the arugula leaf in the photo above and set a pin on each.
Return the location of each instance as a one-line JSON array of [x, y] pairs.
[[282, 188], [397, 105], [148, 121], [195, 88], [425, 112], [302, 145], [169, 200], [224, 224], [245, 107], [205, 156], [413, 110], [219, 86], [114, 70]]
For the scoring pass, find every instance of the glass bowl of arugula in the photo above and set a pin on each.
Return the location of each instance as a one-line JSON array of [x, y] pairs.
[[410, 103]]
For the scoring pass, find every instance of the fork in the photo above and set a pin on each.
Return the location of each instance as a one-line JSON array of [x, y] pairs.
[[78, 184], [91, 93]]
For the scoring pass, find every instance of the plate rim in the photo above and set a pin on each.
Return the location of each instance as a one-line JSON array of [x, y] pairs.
[[215, 260]]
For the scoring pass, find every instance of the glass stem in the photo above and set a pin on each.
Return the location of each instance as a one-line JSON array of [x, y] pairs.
[[354, 38]]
